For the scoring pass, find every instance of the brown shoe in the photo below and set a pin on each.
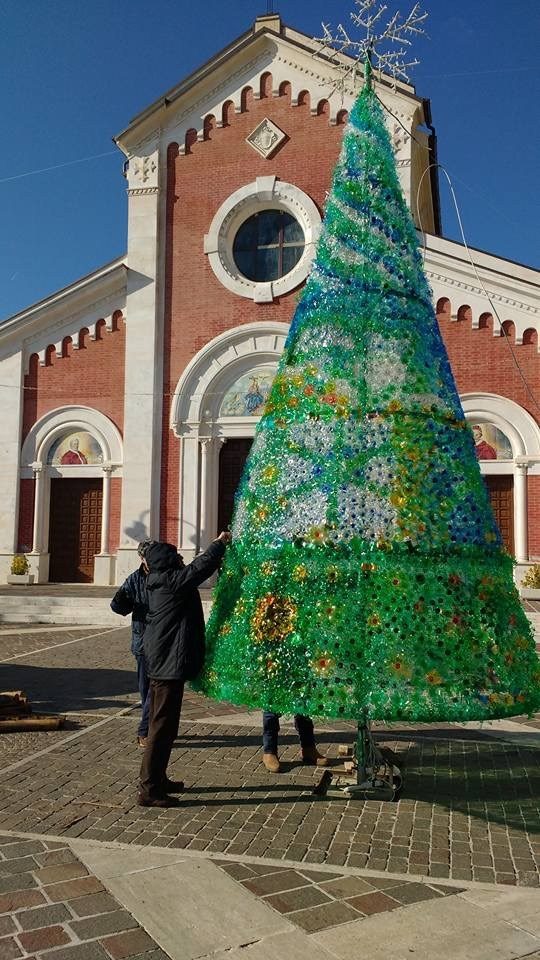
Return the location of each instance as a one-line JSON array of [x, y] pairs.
[[271, 762], [141, 742], [312, 758]]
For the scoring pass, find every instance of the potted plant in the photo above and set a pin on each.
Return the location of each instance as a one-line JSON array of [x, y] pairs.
[[20, 570], [530, 585]]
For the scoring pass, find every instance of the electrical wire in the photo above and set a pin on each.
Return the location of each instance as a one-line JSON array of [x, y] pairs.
[[516, 362], [58, 166]]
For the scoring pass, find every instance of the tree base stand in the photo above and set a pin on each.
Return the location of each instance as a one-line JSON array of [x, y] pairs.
[[371, 774]]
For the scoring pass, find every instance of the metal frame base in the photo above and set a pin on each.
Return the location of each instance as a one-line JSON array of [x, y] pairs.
[[372, 773]]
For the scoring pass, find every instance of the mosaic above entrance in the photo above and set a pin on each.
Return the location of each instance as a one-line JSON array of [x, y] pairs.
[[491, 443], [247, 396], [75, 448]]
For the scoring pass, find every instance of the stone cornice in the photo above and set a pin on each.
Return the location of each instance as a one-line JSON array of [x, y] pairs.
[[38, 340], [449, 281], [58, 309]]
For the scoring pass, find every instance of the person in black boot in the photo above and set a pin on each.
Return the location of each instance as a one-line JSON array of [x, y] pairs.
[[174, 651]]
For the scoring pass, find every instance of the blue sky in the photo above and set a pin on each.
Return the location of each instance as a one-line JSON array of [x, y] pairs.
[[74, 72]]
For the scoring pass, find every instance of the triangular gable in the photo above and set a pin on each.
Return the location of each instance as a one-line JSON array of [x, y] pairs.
[[289, 55]]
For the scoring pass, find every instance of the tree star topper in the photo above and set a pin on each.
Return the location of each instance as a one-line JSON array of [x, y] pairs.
[[376, 47]]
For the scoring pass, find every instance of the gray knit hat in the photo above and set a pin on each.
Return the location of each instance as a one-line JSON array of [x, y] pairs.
[[143, 547]]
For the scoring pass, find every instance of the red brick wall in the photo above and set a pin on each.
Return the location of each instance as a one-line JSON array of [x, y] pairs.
[[197, 307], [533, 505], [114, 523], [92, 376], [482, 362]]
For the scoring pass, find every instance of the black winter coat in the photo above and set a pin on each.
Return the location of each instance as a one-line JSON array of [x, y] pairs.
[[174, 635]]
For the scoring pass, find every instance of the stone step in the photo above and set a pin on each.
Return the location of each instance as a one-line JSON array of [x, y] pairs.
[[62, 610], [77, 611]]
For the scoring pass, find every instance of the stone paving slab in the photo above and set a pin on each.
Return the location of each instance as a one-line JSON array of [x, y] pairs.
[[314, 900], [189, 906], [449, 927], [420, 916], [163, 893], [45, 909], [283, 946]]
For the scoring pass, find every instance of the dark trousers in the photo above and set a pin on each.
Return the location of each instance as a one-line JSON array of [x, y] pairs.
[[165, 706], [143, 684], [304, 729]]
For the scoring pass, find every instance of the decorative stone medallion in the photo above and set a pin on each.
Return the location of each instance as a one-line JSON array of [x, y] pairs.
[[266, 138]]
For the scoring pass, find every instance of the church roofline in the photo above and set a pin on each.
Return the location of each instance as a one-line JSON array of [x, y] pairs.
[[484, 260], [268, 25], [85, 290]]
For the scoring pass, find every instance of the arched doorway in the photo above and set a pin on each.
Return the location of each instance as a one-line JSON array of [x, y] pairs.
[[232, 458], [71, 454], [500, 489], [75, 520], [507, 441], [215, 410]]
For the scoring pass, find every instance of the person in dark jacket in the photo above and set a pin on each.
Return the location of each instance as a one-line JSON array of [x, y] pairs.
[[174, 642], [131, 598]]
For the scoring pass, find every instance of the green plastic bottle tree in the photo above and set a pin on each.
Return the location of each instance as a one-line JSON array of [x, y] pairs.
[[367, 576]]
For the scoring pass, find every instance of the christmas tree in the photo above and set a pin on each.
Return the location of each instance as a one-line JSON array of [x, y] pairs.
[[367, 576]]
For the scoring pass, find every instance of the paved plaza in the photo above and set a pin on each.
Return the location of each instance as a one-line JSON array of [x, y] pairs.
[[251, 864]]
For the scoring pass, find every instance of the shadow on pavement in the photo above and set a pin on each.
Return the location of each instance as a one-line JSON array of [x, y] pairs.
[[75, 689], [491, 780]]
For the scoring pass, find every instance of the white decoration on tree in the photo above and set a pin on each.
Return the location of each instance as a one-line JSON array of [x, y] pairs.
[[384, 363], [376, 47]]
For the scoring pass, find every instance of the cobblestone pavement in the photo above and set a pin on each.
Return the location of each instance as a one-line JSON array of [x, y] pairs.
[[469, 809], [51, 906], [17, 642], [91, 671]]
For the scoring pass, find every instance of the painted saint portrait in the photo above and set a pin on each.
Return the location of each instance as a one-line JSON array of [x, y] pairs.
[[247, 396], [490, 443], [76, 448]]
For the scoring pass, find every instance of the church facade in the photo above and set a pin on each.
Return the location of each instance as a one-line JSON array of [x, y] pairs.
[[130, 398]]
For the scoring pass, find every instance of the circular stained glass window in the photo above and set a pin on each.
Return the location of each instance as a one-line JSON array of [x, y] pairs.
[[268, 245]]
